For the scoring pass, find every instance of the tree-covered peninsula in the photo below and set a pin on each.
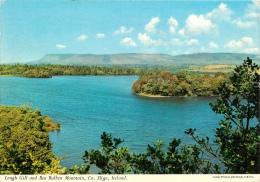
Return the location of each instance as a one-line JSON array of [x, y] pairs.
[[47, 71], [165, 83], [25, 147], [24, 141]]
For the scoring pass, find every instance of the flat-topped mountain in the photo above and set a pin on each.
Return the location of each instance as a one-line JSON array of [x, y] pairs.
[[143, 59]]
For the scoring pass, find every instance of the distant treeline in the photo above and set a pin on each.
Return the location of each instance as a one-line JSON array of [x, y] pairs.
[[165, 83], [47, 71]]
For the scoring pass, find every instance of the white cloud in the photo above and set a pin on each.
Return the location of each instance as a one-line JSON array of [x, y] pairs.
[[252, 15], [60, 46], [244, 42], [146, 39], [233, 44], [213, 45], [256, 3], [242, 45], [182, 32], [82, 37], [124, 30], [173, 23], [246, 24], [151, 26], [197, 25], [192, 41], [176, 42], [247, 41], [220, 13], [172, 30], [100, 35], [128, 42], [253, 10]]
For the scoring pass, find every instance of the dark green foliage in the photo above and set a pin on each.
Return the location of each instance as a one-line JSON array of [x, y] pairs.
[[164, 83], [238, 138], [110, 159], [175, 160], [239, 101], [84, 169], [47, 71], [157, 159], [239, 134]]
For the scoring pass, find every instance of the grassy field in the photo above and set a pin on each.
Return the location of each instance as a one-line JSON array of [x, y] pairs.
[[211, 68], [200, 69]]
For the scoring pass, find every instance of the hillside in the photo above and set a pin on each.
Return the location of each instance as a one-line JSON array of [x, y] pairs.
[[216, 58], [141, 59]]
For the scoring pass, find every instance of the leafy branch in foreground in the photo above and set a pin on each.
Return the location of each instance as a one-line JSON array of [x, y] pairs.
[[157, 159], [110, 159]]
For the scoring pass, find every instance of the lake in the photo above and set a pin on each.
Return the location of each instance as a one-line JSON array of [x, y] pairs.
[[88, 105]]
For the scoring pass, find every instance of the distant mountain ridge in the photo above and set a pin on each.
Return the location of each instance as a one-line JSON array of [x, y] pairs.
[[144, 59]]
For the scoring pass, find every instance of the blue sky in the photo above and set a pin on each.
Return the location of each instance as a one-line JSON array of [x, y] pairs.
[[30, 29]]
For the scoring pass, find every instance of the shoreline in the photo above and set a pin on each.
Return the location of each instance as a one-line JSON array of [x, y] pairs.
[[7, 75], [161, 96], [155, 96]]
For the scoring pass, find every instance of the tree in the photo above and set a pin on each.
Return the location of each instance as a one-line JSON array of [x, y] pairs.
[[239, 102], [238, 136], [24, 143], [157, 159], [164, 83], [112, 159], [109, 159]]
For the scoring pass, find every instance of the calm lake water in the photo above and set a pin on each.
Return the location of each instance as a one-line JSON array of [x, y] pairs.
[[88, 105]]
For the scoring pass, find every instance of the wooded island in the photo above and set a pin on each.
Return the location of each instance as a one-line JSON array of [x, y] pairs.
[[164, 83]]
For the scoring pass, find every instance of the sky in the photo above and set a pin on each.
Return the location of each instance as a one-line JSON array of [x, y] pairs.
[[32, 28]]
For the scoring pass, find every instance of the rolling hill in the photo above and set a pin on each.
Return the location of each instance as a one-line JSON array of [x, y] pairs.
[[144, 59]]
